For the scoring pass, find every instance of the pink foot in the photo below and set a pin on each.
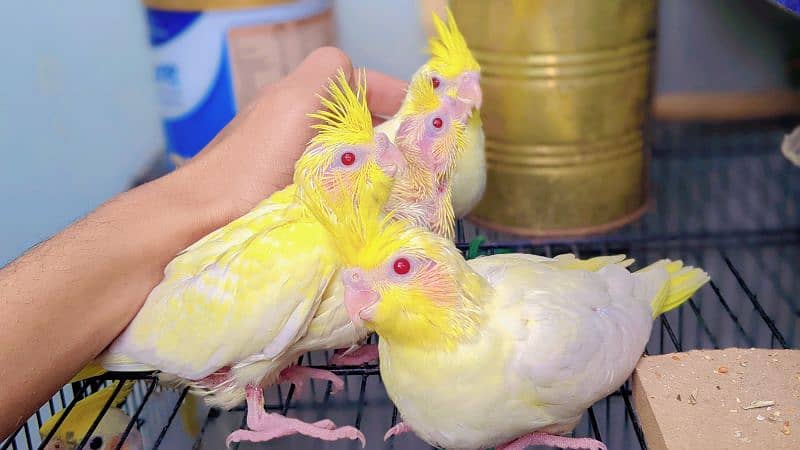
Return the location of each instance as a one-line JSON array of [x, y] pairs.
[[298, 375], [361, 355], [400, 428], [552, 441], [265, 427]]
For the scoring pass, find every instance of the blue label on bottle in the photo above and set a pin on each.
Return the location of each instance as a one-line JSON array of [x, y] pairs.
[[165, 25], [192, 71], [192, 77]]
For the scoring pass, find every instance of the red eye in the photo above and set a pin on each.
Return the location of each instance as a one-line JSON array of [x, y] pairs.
[[437, 122], [401, 266], [348, 158], [435, 82]]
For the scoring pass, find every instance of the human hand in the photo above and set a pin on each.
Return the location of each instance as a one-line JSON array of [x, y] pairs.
[[254, 155]]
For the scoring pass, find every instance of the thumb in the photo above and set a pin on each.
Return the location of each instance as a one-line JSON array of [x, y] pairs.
[[261, 144], [298, 92], [319, 66]]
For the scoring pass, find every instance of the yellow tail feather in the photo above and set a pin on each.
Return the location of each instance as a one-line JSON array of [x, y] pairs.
[[682, 284], [93, 369], [189, 415]]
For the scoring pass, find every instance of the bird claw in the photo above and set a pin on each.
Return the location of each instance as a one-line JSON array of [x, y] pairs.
[[359, 356], [298, 375], [265, 426], [552, 441], [400, 428]]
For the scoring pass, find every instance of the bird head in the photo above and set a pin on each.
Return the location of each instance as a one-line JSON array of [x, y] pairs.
[[432, 129], [347, 159], [109, 430], [406, 283], [452, 69]]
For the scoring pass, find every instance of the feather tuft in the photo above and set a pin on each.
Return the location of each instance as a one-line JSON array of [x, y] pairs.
[[345, 117], [450, 55]]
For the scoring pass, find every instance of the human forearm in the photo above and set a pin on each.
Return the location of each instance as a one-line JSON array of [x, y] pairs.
[[70, 296]]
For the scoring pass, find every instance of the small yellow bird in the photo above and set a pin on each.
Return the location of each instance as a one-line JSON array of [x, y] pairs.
[[431, 136], [534, 340], [452, 71], [107, 434]]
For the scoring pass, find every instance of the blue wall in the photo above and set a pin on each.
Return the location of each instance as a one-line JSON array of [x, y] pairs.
[[77, 112]]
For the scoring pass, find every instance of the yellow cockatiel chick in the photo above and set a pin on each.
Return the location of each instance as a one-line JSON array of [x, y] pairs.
[[431, 136], [107, 434], [236, 309], [502, 351], [453, 72]]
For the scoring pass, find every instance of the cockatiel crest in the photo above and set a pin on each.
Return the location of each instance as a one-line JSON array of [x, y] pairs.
[[450, 55], [422, 98], [345, 118], [344, 143]]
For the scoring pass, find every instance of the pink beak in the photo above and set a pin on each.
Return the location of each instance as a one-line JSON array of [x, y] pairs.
[[389, 157], [358, 296], [469, 89], [457, 109]]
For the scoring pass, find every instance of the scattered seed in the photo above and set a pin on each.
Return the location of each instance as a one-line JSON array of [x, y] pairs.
[[675, 357], [708, 358], [719, 388], [733, 410], [693, 397], [737, 433], [758, 404], [678, 398], [743, 363], [760, 417], [722, 369], [785, 429]]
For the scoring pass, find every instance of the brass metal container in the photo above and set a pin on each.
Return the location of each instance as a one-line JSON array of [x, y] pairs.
[[566, 88]]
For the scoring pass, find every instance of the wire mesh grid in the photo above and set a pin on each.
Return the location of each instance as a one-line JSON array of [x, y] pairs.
[[723, 199]]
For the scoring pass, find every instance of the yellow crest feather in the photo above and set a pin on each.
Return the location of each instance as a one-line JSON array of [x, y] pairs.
[[450, 55], [365, 236], [345, 117], [421, 97], [351, 224], [85, 411]]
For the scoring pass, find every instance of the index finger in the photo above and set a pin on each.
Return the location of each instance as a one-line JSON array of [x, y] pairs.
[[384, 93]]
